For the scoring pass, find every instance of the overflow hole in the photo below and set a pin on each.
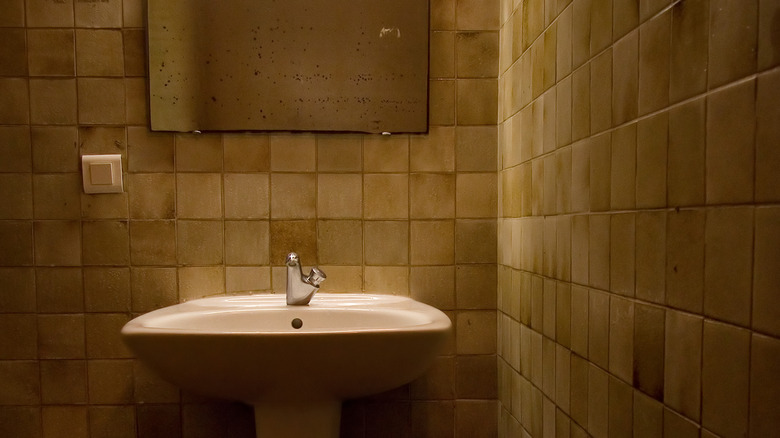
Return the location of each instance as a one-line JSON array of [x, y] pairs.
[[297, 323]]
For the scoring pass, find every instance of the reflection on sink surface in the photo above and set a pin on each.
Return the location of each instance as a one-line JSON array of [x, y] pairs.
[[258, 350]]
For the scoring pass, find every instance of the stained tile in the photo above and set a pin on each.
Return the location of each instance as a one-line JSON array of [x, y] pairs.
[[648, 344]]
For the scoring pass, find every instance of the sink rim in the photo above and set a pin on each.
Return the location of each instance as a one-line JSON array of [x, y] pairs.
[[428, 318]]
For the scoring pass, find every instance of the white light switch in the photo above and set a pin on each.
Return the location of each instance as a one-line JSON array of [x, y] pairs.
[[102, 173]]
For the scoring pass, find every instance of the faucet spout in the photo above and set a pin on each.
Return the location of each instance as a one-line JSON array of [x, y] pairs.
[[301, 288]]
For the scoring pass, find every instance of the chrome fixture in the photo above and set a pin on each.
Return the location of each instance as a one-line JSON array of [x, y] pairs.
[[301, 288]]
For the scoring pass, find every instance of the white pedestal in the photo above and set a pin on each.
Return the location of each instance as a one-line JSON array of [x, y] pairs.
[[320, 419]]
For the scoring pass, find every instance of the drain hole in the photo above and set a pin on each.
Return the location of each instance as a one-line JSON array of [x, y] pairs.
[[297, 323]]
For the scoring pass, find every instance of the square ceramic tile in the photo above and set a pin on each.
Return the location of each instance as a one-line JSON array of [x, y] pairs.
[[648, 416], [104, 14], [621, 338], [110, 381], [386, 279], [654, 47], [199, 242], [63, 381], [12, 13], [246, 195], [650, 258], [625, 78], [56, 243], [685, 259], [433, 285], [733, 41], [442, 54], [686, 158], [293, 153], [99, 53], [105, 242], [135, 56], [725, 379], [298, 236], [149, 151], [682, 363], [620, 408], [385, 196], [101, 101], [153, 242], [246, 153], [199, 195], [731, 122], [198, 152], [56, 419], [151, 196], [51, 52], [340, 242], [386, 242], [765, 283], [651, 158], [648, 355], [61, 336], [477, 54], [339, 153], [198, 282], [580, 103], [153, 288], [598, 251], [689, 49], [107, 289], [53, 101], [432, 242], [477, 15], [767, 134], [60, 290], [15, 147], [42, 13], [293, 195], [475, 332], [728, 264], [765, 352], [386, 153]]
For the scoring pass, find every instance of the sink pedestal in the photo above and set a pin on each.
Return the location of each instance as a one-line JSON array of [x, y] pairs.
[[311, 419]]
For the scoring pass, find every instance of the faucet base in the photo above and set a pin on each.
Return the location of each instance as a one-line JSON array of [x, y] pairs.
[[295, 419]]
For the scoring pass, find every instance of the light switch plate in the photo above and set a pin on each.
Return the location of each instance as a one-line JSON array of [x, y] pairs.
[[102, 173]]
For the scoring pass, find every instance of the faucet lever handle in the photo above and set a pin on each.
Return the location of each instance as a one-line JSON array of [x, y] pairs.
[[315, 277]]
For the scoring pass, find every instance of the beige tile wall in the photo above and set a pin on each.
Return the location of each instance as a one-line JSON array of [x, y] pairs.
[[639, 218], [208, 214]]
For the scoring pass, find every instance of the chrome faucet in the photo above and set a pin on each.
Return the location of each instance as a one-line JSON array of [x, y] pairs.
[[301, 288]]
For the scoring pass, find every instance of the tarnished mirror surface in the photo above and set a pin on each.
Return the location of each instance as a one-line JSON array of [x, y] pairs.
[[308, 65]]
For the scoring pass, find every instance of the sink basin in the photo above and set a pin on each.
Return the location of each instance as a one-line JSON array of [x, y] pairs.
[[294, 364]]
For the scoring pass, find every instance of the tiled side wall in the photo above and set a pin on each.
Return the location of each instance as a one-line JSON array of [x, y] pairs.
[[639, 218], [208, 214]]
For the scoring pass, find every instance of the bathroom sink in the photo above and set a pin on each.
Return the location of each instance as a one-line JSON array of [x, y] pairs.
[[294, 364]]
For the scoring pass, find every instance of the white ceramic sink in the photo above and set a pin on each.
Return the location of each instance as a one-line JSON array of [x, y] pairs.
[[247, 348]]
